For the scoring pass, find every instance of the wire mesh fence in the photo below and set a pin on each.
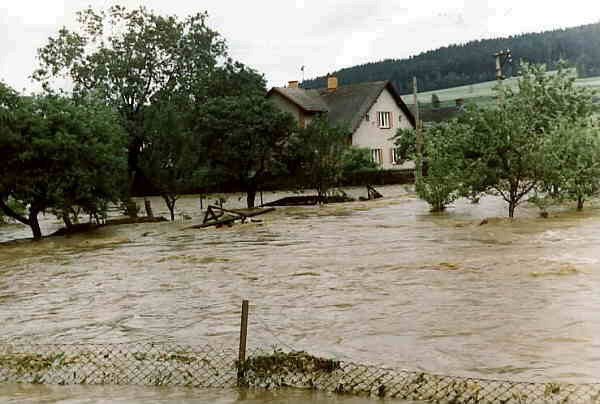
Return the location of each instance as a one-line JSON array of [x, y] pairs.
[[147, 363], [165, 364], [300, 370]]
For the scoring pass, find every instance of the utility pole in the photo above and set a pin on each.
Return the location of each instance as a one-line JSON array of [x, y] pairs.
[[502, 58], [418, 136]]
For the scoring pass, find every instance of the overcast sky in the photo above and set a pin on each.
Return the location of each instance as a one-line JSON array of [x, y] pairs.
[[277, 37]]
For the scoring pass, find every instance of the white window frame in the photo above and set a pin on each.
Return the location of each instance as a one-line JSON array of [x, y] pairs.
[[384, 119], [377, 156]]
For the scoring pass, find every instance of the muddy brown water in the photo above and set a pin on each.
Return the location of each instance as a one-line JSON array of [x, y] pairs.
[[381, 282]]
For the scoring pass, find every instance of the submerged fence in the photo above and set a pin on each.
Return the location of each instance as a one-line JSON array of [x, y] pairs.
[[167, 364]]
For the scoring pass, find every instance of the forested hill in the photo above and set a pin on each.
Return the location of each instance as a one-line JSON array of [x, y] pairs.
[[473, 62]]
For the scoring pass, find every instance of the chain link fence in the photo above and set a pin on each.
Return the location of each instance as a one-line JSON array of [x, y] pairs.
[[166, 364], [300, 370], [147, 363], [143, 363]]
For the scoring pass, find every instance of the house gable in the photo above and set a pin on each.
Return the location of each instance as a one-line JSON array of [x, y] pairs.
[[356, 106], [380, 140]]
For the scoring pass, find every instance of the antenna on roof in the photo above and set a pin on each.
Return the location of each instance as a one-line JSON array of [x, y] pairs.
[[302, 70]]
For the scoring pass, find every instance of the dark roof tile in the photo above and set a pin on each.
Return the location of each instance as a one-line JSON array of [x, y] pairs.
[[309, 100]]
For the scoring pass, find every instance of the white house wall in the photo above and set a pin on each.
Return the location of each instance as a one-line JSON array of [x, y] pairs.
[[369, 135]]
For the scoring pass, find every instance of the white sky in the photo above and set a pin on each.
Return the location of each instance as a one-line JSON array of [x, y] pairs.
[[278, 36]]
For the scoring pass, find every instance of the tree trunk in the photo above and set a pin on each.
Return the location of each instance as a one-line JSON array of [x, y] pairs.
[[35, 225], [66, 218], [511, 209], [250, 197], [580, 202], [148, 207], [170, 201]]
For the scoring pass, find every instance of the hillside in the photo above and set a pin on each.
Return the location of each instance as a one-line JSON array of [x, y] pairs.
[[459, 65], [481, 93]]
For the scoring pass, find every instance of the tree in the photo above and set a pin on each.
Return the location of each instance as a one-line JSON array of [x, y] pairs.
[[58, 153], [244, 138], [357, 159], [572, 155], [442, 152], [320, 149], [128, 58], [504, 154], [169, 159]]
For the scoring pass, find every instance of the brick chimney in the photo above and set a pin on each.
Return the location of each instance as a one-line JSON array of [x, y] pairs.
[[293, 84], [332, 83]]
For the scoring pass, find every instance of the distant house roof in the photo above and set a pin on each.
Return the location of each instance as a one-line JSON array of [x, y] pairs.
[[308, 100], [348, 104]]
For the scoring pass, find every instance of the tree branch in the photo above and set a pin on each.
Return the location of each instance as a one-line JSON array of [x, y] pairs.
[[8, 211]]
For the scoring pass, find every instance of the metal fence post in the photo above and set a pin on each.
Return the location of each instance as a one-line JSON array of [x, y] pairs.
[[243, 336]]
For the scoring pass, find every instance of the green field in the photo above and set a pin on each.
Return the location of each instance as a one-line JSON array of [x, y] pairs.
[[482, 93]]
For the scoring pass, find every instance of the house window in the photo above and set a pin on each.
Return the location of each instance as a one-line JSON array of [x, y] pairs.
[[384, 120], [396, 156], [377, 156]]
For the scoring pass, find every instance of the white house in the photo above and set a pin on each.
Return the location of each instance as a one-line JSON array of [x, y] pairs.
[[373, 112]]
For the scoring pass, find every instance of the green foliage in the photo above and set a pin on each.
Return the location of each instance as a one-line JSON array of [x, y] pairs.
[[406, 141], [442, 152], [59, 153], [572, 162], [506, 154], [244, 139], [14, 206], [170, 159], [131, 59], [357, 159], [319, 149], [536, 140]]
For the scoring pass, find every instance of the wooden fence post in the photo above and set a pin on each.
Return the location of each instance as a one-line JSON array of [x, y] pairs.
[[243, 335]]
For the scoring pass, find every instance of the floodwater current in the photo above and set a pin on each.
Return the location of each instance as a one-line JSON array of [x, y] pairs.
[[384, 282]]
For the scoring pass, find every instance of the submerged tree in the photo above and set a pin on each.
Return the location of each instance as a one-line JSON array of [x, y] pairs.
[[58, 153], [319, 151], [515, 148], [505, 154], [572, 162], [171, 160], [244, 139]]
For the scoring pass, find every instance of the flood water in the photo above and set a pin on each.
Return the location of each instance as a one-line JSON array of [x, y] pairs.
[[382, 282]]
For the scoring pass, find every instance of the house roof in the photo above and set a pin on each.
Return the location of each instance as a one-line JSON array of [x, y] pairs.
[[308, 100], [348, 104]]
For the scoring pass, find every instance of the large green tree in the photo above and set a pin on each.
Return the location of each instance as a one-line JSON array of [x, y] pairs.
[[244, 138], [320, 150], [505, 153], [132, 58], [58, 153], [170, 159]]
